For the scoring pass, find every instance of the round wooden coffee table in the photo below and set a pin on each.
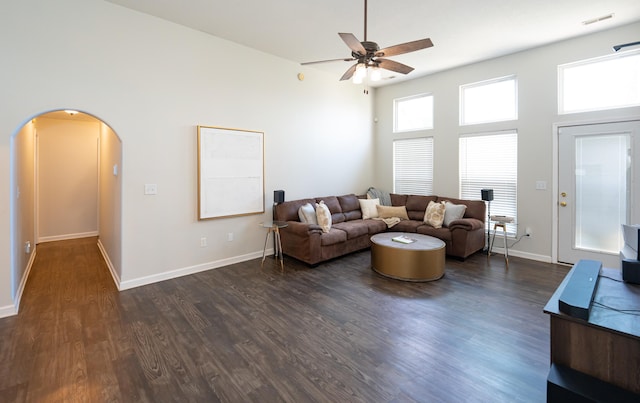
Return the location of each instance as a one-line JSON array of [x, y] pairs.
[[421, 260]]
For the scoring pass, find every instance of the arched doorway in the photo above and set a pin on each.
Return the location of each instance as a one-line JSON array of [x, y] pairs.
[[66, 170]]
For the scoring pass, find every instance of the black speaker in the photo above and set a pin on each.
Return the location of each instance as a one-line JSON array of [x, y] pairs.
[[631, 271], [487, 194], [278, 196]]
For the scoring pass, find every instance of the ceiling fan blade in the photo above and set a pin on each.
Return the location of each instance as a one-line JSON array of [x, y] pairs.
[[393, 66], [405, 48], [329, 60], [349, 73], [353, 43]]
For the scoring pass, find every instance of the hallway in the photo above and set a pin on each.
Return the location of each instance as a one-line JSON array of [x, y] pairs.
[[45, 347]]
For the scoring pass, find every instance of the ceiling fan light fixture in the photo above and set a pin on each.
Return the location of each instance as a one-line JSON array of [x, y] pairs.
[[368, 55], [360, 73], [376, 74]]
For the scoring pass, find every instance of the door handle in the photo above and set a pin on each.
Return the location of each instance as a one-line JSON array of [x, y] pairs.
[[563, 204]]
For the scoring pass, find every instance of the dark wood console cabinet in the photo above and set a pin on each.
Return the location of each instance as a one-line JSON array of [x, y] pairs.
[[598, 359]]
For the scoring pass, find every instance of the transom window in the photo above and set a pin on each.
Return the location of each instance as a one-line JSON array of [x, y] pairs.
[[413, 166], [489, 101], [413, 113], [602, 83]]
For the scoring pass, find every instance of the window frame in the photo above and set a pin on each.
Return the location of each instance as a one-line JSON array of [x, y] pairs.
[[397, 101], [588, 62], [462, 109]]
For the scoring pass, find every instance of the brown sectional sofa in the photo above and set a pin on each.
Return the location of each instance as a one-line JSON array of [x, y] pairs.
[[350, 233]]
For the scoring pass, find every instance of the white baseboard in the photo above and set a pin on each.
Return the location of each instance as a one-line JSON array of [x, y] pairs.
[[525, 255], [112, 269], [8, 310], [185, 271], [23, 281], [67, 236]]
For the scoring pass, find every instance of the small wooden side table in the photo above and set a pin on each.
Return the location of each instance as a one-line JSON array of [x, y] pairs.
[[274, 227], [502, 225]]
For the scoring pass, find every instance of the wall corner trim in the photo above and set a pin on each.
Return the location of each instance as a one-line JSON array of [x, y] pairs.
[[112, 269]]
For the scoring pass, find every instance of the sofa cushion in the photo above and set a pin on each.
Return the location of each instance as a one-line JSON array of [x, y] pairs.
[[452, 212], [307, 214], [392, 211], [375, 226], [417, 205], [434, 214], [398, 200], [475, 208], [324, 216], [440, 233], [350, 207], [406, 226], [368, 207], [288, 211], [333, 237], [353, 228]]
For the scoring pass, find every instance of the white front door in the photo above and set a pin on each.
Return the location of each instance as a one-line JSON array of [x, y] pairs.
[[598, 189]]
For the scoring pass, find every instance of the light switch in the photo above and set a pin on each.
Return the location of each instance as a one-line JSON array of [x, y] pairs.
[[115, 170], [541, 185], [151, 189]]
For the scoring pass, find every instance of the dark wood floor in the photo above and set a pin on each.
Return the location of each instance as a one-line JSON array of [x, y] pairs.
[[335, 333]]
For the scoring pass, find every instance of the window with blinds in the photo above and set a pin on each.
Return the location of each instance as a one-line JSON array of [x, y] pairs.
[[413, 166], [490, 161]]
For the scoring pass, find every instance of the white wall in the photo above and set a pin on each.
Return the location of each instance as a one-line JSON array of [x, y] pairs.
[[110, 207], [537, 89], [67, 153], [24, 205], [153, 82]]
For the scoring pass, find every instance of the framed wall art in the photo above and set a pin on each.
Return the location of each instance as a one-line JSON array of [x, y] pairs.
[[230, 172]]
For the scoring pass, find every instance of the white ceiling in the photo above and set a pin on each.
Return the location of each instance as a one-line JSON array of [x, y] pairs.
[[463, 31]]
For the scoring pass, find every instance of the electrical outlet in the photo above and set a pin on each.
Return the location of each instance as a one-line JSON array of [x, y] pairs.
[[230, 236], [150, 189], [528, 232], [203, 242]]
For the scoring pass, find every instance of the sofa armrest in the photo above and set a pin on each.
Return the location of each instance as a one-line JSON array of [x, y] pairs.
[[468, 224], [302, 229]]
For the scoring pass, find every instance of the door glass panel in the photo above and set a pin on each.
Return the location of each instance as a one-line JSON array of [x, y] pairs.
[[601, 191]]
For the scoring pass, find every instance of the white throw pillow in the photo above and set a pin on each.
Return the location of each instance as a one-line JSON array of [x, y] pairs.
[[324, 216], [452, 212], [307, 214], [368, 207]]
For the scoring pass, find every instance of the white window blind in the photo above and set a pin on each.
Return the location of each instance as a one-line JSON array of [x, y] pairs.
[[490, 161], [413, 166]]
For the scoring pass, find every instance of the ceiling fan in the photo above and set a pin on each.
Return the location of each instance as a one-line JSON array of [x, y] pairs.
[[368, 54]]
